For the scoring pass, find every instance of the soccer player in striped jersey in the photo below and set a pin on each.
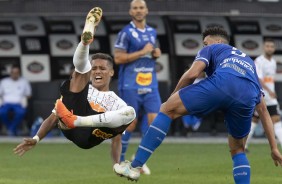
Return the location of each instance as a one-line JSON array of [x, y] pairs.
[[86, 99]]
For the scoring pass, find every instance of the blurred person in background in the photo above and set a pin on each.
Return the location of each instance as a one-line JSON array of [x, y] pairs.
[[190, 121], [266, 69], [14, 93], [136, 53]]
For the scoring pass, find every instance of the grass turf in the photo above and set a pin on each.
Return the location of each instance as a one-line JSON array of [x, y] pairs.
[[171, 163]]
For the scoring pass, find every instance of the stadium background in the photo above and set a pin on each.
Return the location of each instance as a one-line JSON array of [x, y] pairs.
[[41, 36]]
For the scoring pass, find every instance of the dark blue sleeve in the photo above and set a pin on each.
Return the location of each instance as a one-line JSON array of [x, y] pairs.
[[122, 40], [204, 55]]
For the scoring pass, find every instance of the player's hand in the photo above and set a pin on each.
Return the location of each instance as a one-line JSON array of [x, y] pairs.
[[156, 53], [148, 48], [26, 145], [277, 157]]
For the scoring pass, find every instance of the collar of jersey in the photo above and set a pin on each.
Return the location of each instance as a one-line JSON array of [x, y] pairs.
[[133, 25]]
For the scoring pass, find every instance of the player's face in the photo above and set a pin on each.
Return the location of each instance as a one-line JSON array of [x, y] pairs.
[[101, 74], [138, 10], [15, 73], [208, 40], [269, 48]]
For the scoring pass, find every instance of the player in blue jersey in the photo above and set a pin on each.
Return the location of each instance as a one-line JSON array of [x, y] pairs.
[[135, 53], [231, 85]]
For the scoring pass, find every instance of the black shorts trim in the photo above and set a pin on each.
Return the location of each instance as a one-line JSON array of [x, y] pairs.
[[273, 110]]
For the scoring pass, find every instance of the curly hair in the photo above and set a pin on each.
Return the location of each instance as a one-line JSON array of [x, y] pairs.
[[105, 57], [216, 31]]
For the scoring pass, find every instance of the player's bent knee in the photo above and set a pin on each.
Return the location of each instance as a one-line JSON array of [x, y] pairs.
[[120, 117], [129, 114]]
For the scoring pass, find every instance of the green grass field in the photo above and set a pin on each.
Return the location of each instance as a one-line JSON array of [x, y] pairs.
[[171, 163]]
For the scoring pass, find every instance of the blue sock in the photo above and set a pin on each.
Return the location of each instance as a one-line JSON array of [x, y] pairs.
[[124, 142], [152, 139], [241, 169]]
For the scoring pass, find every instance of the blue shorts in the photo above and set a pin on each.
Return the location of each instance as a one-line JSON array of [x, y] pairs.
[[150, 102], [236, 97]]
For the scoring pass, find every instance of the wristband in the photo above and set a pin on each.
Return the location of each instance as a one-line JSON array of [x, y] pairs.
[[36, 138]]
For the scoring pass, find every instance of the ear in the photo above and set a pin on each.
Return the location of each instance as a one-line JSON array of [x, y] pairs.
[[219, 40], [112, 72]]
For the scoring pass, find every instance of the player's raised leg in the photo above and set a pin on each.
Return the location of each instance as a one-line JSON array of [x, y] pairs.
[[92, 20], [81, 60]]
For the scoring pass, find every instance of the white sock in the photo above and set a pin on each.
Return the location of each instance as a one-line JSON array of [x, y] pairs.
[[278, 131], [81, 59], [250, 136], [110, 119]]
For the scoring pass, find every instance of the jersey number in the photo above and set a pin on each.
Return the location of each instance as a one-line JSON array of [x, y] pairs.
[[237, 52]]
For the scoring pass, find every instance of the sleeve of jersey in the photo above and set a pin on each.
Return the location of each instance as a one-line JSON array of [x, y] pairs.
[[258, 68], [121, 41], [28, 90], [204, 55]]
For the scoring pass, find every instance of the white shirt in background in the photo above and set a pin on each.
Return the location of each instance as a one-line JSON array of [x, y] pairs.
[[266, 70]]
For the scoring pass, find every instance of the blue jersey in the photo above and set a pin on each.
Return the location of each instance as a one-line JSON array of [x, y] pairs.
[[140, 73], [232, 86], [225, 59]]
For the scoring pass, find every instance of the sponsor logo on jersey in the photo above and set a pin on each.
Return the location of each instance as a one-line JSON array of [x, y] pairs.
[[6, 45], [144, 79], [190, 44], [250, 45], [64, 44], [99, 133], [35, 67], [268, 79], [134, 34], [97, 107], [143, 69], [238, 61]]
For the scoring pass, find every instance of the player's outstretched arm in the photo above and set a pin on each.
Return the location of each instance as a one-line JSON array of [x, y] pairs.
[[26, 145], [268, 128], [29, 143]]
